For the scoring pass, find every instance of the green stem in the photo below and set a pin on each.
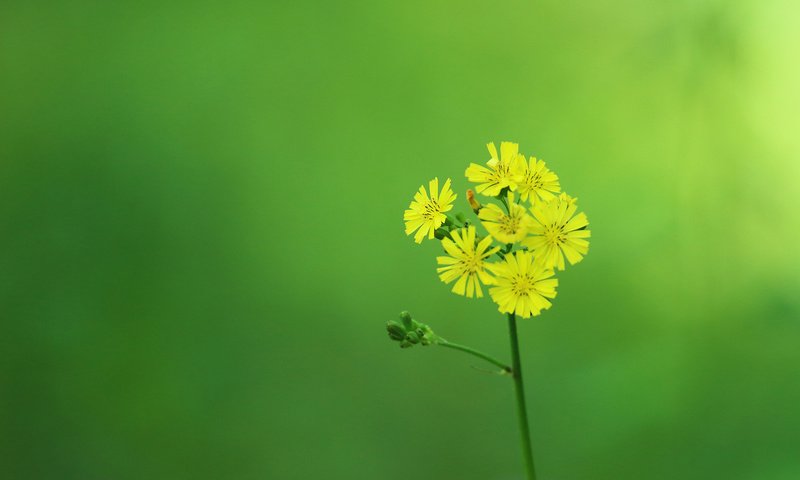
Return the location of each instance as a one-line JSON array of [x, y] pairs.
[[516, 369], [444, 343], [504, 199]]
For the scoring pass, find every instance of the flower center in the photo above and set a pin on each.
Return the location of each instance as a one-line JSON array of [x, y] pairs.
[[522, 285], [431, 209], [500, 172], [469, 263], [534, 180], [509, 224], [554, 234]]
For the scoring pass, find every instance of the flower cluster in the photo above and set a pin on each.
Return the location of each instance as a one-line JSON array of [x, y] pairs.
[[531, 227]]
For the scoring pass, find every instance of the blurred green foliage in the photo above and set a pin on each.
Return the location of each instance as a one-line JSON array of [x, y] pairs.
[[201, 238]]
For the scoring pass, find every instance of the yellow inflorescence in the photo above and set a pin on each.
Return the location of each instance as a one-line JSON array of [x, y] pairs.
[[466, 262], [502, 172], [537, 183], [506, 225], [535, 224], [557, 232], [425, 214], [523, 285]]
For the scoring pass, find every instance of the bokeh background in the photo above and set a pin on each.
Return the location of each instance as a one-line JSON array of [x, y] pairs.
[[201, 238]]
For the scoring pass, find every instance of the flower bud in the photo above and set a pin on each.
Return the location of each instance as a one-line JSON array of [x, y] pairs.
[[396, 330], [441, 233], [408, 322], [473, 202], [426, 340]]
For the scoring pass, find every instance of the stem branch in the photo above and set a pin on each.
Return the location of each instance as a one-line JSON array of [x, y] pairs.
[[444, 343]]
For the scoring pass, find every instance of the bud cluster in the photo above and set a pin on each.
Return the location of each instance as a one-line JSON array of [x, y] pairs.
[[410, 332]]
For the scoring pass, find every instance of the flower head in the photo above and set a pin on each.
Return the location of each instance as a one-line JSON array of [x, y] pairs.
[[501, 173], [522, 286], [506, 227], [557, 232], [466, 262], [537, 182], [426, 214]]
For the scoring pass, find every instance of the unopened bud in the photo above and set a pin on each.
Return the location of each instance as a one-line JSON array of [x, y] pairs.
[[473, 202], [396, 331], [426, 339], [405, 317], [441, 233]]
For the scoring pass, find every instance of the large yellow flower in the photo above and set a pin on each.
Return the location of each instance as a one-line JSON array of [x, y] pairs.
[[537, 182], [522, 285], [426, 214], [506, 227], [502, 172], [466, 262], [557, 232]]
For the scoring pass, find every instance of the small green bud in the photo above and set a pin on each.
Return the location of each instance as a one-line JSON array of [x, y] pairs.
[[425, 340], [441, 233], [412, 337], [426, 335], [408, 322], [396, 330]]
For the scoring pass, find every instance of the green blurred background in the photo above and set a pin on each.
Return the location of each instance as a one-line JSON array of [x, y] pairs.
[[201, 211]]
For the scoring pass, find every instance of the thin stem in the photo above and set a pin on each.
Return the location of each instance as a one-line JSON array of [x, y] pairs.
[[516, 368], [444, 343], [504, 199]]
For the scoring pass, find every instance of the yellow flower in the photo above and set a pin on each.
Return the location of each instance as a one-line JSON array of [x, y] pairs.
[[537, 182], [502, 172], [505, 227], [424, 214], [556, 231], [522, 285], [466, 262]]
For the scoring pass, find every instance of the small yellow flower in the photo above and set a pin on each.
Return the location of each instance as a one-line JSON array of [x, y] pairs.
[[537, 182], [505, 227], [502, 172], [556, 231], [522, 285], [426, 214], [466, 262]]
